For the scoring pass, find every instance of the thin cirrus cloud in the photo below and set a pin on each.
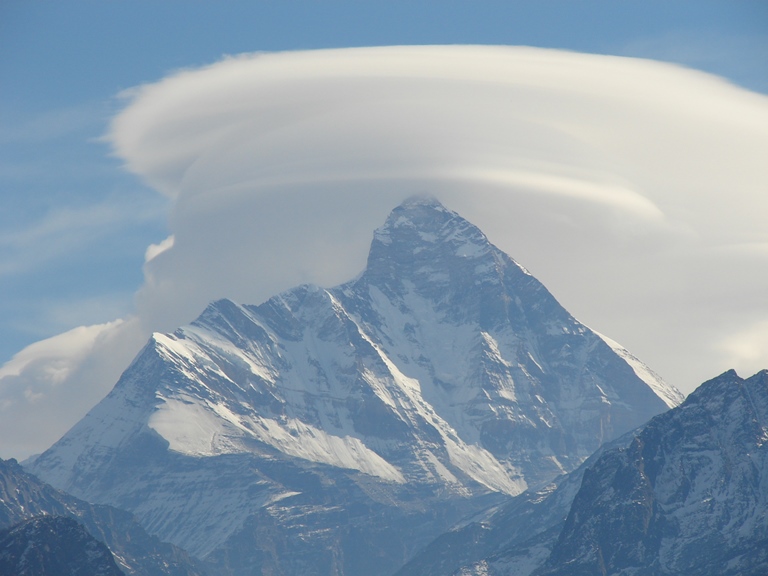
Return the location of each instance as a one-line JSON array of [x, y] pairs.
[[60, 233], [621, 183]]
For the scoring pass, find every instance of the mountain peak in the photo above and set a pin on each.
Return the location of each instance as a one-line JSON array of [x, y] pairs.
[[424, 219], [441, 375], [424, 245]]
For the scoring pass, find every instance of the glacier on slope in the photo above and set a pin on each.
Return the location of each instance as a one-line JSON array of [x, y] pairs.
[[444, 370]]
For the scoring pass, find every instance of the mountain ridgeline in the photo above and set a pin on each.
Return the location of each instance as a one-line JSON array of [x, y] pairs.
[[338, 431]]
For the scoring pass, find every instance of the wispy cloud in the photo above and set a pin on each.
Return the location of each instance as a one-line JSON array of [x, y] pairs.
[[56, 123], [154, 250], [67, 230]]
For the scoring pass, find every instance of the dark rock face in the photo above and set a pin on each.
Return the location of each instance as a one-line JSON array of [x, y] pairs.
[[685, 494], [337, 431], [53, 546], [24, 498], [688, 496]]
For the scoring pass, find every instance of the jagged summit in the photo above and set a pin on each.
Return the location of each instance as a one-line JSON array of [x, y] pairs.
[[422, 226], [426, 250], [424, 242], [443, 373], [728, 384], [428, 218]]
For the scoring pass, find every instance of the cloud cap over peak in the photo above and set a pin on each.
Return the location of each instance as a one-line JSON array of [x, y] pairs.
[[629, 173], [634, 190]]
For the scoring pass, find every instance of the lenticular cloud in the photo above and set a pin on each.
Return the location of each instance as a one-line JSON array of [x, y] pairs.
[[621, 182], [634, 190]]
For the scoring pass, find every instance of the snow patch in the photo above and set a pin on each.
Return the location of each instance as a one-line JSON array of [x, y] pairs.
[[471, 249], [670, 395], [295, 438], [198, 429], [193, 429]]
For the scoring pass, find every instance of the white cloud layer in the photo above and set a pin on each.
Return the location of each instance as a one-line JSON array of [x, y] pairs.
[[634, 190], [48, 386]]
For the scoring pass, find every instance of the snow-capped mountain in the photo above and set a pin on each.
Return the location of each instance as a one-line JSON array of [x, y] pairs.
[[333, 419], [686, 494]]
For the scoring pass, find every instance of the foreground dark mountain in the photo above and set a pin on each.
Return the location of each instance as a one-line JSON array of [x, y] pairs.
[[24, 500], [53, 546], [338, 431], [686, 494]]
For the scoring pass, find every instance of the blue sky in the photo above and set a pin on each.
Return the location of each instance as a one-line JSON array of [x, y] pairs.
[[75, 225]]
